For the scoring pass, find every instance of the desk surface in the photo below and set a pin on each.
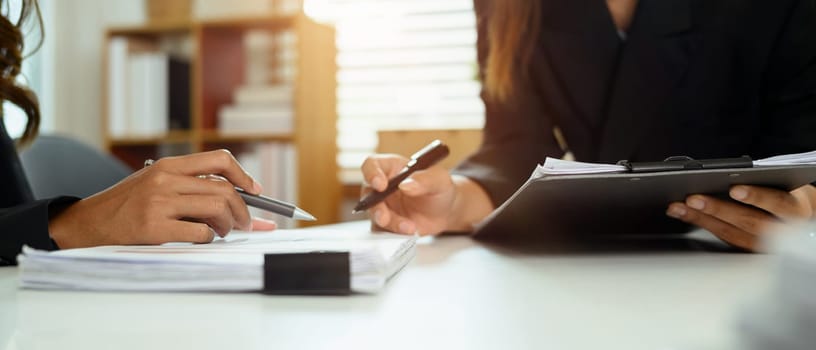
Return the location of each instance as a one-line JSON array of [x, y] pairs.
[[456, 294]]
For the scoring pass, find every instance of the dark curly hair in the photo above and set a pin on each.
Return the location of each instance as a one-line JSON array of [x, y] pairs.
[[11, 59]]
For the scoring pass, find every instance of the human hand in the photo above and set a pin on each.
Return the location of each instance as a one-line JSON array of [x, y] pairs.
[[423, 202], [165, 202], [766, 212]]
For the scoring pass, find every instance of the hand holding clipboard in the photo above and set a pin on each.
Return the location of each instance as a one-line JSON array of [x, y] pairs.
[[631, 198]]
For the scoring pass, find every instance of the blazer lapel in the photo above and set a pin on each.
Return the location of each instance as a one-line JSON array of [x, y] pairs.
[[653, 62], [581, 41]]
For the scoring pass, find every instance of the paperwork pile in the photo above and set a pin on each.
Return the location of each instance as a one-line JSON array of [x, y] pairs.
[[235, 263]]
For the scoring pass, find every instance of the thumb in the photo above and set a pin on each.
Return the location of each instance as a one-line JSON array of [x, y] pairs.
[[427, 182]]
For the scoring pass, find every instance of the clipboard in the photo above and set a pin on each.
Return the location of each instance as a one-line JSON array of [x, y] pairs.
[[563, 207]]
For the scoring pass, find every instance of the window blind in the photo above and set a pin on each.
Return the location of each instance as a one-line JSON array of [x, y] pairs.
[[401, 65]]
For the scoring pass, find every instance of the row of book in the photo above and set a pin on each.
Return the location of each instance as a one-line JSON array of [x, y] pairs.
[[258, 109], [274, 165], [264, 103], [148, 89]]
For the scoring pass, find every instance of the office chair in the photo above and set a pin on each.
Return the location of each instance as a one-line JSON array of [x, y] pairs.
[[62, 166]]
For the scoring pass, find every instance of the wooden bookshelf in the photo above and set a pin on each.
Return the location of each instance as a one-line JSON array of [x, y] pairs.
[[217, 68], [213, 136], [152, 29], [169, 138], [267, 22]]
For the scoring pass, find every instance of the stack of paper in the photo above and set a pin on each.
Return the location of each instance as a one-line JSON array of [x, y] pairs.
[[553, 166], [788, 159], [231, 264]]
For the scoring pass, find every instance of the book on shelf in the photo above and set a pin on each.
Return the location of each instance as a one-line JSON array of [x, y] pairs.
[[147, 94], [271, 57], [179, 93], [148, 89], [263, 104], [255, 119], [260, 95], [117, 89]]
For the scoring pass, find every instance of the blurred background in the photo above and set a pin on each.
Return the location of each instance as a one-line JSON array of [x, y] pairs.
[[301, 91]]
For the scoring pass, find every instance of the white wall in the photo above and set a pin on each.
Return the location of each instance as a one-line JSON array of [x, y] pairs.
[[72, 62]]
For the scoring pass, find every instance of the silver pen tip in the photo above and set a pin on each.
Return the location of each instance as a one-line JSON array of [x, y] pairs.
[[301, 214]]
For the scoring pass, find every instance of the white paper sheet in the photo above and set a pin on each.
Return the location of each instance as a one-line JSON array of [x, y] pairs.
[[553, 166]]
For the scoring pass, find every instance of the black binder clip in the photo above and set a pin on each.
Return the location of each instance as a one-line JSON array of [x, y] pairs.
[[679, 163], [326, 273]]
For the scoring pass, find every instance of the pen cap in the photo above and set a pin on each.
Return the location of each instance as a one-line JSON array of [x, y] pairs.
[[429, 155]]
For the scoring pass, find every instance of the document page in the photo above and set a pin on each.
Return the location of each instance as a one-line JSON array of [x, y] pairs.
[[553, 166]]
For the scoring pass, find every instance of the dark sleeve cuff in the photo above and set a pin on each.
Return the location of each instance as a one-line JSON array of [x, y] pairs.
[[498, 174], [493, 182], [27, 224]]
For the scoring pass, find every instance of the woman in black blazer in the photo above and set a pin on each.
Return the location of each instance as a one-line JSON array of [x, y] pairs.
[[627, 79], [163, 203]]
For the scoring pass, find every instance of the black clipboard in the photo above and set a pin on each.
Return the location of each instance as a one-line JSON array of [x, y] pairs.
[[631, 203]]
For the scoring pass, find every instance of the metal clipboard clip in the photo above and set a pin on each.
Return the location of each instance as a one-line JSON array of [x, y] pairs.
[[679, 163]]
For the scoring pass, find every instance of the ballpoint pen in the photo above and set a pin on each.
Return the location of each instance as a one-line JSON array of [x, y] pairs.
[[276, 206], [424, 158], [263, 202]]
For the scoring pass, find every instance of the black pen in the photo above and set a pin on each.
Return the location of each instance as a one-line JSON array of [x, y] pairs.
[[424, 158], [263, 202]]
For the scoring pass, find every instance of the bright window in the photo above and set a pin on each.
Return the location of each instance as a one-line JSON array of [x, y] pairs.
[[402, 65]]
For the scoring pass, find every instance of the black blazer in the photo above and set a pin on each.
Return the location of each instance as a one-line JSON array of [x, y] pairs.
[[23, 220], [702, 78]]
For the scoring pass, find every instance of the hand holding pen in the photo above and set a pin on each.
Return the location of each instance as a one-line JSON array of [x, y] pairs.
[[408, 195], [165, 202], [260, 201]]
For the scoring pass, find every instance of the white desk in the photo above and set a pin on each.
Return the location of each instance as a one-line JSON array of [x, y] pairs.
[[456, 294]]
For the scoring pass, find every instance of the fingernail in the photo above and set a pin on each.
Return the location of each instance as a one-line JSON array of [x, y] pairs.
[[214, 233], [676, 211], [696, 203], [257, 187], [739, 193], [378, 183], [265, 221], [409, 185], [406, 227]]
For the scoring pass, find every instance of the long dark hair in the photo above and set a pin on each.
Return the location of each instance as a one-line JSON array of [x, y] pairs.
[[512, 29], [11, 60]]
